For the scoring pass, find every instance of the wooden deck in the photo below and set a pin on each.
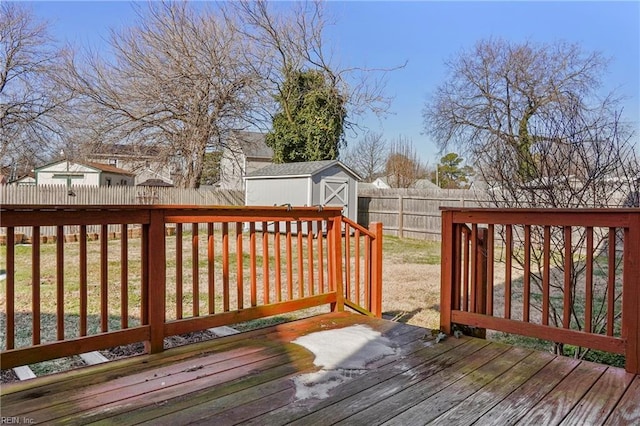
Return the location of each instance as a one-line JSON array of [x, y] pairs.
[[256, 377]]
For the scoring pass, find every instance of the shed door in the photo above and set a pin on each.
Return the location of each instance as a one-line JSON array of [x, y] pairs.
[[335, 192]]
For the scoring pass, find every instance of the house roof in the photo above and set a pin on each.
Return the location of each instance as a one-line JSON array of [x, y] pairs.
[[366, 186], [125, 150], [252, 144], [425, 184], [155, 182], [109, 169], [305, 168]]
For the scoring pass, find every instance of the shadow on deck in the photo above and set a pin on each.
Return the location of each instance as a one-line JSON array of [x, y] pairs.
[[263, 377]]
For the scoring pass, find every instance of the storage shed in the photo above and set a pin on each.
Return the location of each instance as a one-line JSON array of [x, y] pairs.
[[310, 183]]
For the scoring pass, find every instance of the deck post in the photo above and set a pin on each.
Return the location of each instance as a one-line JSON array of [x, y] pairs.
[[631, 292], [157, 281], [376, 269], [447, 271], [336, 259]]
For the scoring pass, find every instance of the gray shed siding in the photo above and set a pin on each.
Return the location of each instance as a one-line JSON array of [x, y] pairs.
[[304, 184], [277, 191]]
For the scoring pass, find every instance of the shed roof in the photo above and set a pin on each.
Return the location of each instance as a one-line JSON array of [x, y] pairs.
[[305, 168]]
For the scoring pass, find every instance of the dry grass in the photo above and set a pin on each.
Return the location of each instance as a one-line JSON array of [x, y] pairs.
[[411, 281]]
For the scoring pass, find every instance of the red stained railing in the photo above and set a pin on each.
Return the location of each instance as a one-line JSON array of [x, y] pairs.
[[123, 274], [570, 276]]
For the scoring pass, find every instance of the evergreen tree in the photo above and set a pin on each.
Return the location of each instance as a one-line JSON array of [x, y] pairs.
[[309, 125]]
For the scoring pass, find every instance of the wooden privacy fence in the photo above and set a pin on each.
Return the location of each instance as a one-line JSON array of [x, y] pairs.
[[580, 282], [223, 265], [57, 195], [412, 213], [117, 195]]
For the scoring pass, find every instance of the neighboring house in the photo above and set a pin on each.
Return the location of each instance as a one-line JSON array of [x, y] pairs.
[[63, 172], [424, 184], [244, 153], [310, 183], [143, 162], [28, 180], [10, 175], [383, 183]]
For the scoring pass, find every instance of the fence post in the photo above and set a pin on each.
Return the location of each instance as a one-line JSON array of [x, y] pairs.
[[156, 282], [631, 292], [447, 272], [336, 259], [376, 269], [400, 216]]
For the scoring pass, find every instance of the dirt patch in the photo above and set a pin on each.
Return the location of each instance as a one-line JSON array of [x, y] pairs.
[[133, 349]]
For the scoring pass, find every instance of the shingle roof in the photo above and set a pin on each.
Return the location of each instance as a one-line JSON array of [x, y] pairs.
[[125, 150], [108, 168], [253, 144], [306, 168], [155, 182]]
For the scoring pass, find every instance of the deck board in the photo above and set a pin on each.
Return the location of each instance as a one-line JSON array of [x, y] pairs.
[[467, 411], [518, 403], [249, 378], [596, 405], [560, 400], [627, 410], [435, 375]]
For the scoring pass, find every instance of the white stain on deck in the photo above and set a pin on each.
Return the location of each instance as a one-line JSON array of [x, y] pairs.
[[342, 354]]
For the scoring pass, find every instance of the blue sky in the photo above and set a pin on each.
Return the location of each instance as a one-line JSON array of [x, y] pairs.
[[425, 34]]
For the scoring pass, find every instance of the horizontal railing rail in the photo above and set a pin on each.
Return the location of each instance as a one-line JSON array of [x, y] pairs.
[[170, 270], [571, 277]]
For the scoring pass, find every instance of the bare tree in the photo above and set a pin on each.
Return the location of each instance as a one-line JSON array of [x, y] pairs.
[[182, 79], [177, 81], [500, 93], [28, 98], [368, 156], [404, 167], [541, 137]]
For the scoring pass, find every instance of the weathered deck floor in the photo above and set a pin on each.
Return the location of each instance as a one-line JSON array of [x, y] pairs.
[[252, 377]]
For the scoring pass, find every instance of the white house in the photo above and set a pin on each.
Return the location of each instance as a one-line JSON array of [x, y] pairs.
[[142, 161], [25, 181], [244, 153], [383, 183], [70, 173]]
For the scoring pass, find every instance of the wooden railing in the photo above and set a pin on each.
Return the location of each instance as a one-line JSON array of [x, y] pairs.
[[571, 277], [171, 270]]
